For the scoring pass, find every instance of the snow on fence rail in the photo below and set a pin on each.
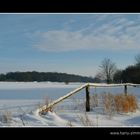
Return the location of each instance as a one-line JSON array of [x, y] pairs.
[[44, 109]]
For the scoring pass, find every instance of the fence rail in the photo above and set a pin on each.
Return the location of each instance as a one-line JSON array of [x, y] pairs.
[[113, 85], [44, 109]]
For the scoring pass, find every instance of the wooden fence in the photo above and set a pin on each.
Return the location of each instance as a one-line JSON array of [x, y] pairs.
[[44, 109]]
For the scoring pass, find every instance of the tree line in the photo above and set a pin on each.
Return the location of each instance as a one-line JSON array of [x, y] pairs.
[[110, 74], [44, 76]]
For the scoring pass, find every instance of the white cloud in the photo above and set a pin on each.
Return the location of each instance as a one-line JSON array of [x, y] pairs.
[[117, 34], [68, 41]]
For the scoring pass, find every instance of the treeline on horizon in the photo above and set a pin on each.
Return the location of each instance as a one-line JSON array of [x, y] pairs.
[[109, 72], [43, 76], [130, 74]]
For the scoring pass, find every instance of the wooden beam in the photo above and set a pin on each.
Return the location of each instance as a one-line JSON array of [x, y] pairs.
[[112, 85], [46, 108], [125, 89], [87, 99]]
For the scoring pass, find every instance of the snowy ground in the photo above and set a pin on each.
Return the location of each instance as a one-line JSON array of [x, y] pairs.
[[24, 113], [70, 113], [28, 85]]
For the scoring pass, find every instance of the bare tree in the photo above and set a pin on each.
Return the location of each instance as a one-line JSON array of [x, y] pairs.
[[108, 68], [137, 58]]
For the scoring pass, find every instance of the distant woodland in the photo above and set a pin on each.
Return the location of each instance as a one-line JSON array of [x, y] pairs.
[[108, 73], [44, 76], [111, 74]]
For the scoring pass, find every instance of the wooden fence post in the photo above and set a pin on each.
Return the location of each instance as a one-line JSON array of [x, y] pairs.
[[87, 99], [125, 89]]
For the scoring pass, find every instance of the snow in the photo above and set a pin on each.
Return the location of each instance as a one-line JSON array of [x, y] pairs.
[[28, 85], [24, 113]]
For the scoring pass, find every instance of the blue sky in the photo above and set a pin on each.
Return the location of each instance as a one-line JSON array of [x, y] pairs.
[[71, 43]]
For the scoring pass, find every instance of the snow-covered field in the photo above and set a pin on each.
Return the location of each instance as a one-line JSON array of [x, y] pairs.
[[24, 113], [32, 85], [70, 113]]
